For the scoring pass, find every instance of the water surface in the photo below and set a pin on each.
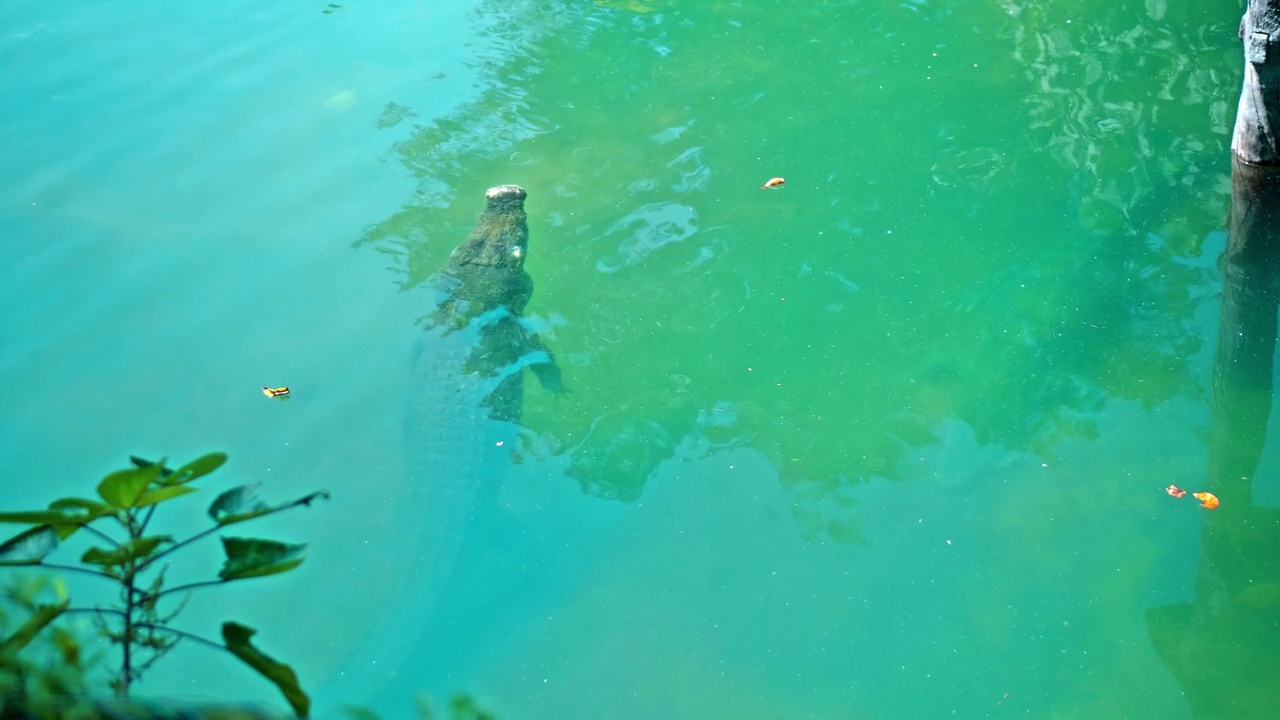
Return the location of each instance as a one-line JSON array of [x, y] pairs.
[[887, 441]]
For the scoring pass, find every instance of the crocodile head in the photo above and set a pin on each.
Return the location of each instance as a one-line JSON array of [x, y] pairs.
[[484, 288], [500, 238], [485, 274]]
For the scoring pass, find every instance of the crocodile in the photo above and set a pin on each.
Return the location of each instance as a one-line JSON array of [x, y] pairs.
[[460, 430], [482, 292]]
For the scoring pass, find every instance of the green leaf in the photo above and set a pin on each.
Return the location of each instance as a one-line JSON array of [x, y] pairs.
[[26, 590], [358, 712], [32, 517], [247, 557], [138, 548], [242, 503], [238, 504], [145, 463], [92, 508], [122, 489], [66, 515], [67, 645], [197, 468], [464, 707], [40, 619], [160, 494], [237, 637], [29, 547], [79, 512]]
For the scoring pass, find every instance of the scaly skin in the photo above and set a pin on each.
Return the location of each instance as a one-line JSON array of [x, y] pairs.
[[485, 288]]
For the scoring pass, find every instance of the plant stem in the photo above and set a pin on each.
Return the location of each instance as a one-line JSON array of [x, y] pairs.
[[182, 634], [130, 578], [69, 568], [306, 501], [150, 511], [189, 586], [150, 626], [177, 545], [99, 533]]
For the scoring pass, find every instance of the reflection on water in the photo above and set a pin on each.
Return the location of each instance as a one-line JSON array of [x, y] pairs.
[[645, 230], [973, 167], [1229, 624], [1136, 108], [1037, 317], [967, 306], [889, 437]]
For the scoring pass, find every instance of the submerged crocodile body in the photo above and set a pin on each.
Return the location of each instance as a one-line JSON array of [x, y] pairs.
[[482, 292], [460, 430], [462, 422]]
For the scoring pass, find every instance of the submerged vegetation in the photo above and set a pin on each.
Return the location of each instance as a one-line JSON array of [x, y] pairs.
[[126, 553]]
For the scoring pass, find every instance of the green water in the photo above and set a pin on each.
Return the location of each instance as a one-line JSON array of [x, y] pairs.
[[973, 213], [887, 441]]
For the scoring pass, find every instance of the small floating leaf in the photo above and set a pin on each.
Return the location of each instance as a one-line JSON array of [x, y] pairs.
[[1208, 500]]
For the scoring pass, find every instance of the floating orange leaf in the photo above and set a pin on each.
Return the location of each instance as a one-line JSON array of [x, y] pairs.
[[1208, 500], [1175, 491], [772, 183]]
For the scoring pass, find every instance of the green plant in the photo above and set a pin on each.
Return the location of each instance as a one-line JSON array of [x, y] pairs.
[[55, 663], [128, 500], [461, 707]]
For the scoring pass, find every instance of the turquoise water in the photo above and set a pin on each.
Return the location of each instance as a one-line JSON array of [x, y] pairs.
[[885, 442]]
